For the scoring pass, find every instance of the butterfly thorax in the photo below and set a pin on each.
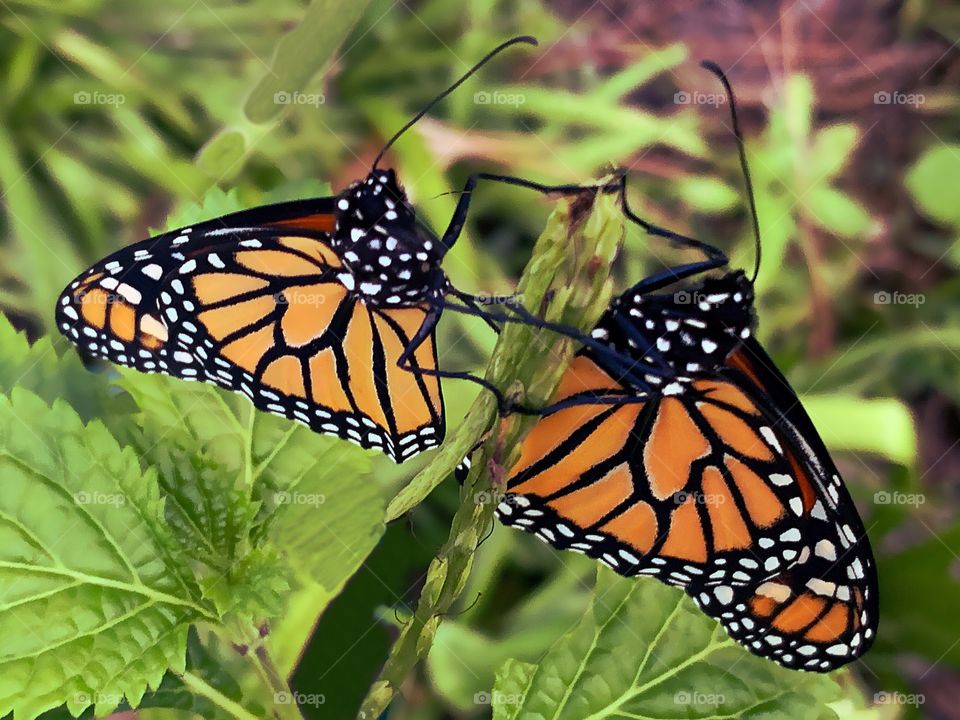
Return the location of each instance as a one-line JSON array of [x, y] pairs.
[[389, 257], [691, 330]]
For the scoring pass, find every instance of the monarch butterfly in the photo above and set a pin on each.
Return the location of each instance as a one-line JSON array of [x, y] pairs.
[[321, 310], [674, 448]]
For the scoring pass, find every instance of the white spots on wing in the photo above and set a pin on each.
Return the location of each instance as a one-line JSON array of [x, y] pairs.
[[771, 438]]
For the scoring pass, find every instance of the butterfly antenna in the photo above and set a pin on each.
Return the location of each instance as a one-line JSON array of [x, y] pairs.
[[527, 39], [715, 69]]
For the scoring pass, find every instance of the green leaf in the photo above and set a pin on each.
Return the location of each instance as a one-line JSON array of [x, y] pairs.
[[209, 509], [831, 149], [301, 53], [221, 156], [798, 103], [227, 430], [512, 681], [644, 650], [880, 425], [216, 202], [933, 181], [916, 622], [329, 523], [41, 370], [836, 212], [707, 194], [96, 601], [208, 688], [252, 589]]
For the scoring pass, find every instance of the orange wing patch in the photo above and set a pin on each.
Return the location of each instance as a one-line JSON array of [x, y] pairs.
[[324, 222], [686, 540], [308, 311], [584, 375], [588, 505], [674, 443]]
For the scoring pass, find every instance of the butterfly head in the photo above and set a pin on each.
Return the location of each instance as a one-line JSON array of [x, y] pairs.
[[392, 258]]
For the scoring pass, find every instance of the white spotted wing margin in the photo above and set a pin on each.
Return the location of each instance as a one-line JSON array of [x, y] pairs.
[[642, 649]]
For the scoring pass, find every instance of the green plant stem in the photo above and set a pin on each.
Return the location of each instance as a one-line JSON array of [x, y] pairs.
[[567, 280], [284, 700], [199, 687]]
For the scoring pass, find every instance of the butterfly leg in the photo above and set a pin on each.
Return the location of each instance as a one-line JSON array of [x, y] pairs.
[[598, 399], [619, 185], [620, 364], [423, 332]]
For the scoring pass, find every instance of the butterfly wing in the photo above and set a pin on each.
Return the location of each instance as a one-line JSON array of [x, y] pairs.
[[823, 611], [712, 479], [689, 488], [259, 302]]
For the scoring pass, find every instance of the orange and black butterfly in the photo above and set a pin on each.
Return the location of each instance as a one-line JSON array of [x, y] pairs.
[[321, 311], [674, 448]]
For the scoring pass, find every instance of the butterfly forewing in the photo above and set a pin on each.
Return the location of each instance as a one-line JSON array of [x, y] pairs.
[[261, 303]]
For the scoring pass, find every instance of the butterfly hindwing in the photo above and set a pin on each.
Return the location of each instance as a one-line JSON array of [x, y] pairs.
[[823, 611], [654, 488]]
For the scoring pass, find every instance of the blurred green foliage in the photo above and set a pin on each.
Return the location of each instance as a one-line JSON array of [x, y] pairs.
[[119, 117]]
